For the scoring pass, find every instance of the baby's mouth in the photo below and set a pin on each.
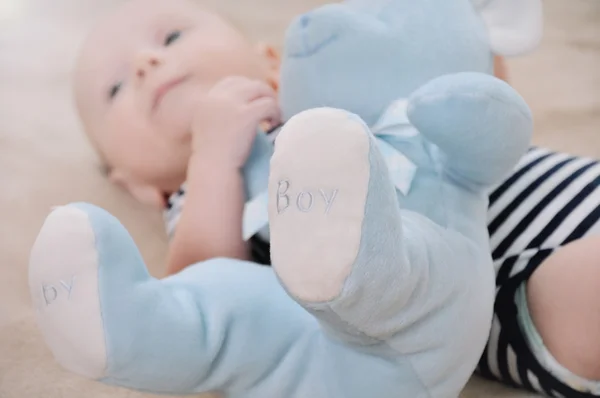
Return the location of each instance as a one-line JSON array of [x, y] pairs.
[[163, 89]]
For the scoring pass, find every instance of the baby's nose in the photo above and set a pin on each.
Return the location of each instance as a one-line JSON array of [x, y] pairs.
[[314, 31], [145, 62]]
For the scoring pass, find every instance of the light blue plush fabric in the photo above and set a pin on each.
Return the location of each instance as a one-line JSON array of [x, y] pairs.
[[256, 179], [414, 314]]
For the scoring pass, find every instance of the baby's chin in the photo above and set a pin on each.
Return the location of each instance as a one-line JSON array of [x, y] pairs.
[[175, 113]]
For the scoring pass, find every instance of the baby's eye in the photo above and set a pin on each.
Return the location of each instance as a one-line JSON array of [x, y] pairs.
[[114, 90], [172, 37]]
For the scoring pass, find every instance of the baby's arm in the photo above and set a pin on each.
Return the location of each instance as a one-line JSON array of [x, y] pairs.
[[223, 130], [211, 220]]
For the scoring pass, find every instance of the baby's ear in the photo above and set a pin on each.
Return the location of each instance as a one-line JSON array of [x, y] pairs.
[[142, 192], [515, 26], [273, 59]]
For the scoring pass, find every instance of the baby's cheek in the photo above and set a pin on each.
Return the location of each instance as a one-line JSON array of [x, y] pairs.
[[175, 116], [123, 128]]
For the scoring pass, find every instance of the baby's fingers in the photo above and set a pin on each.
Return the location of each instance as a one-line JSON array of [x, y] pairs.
[[244, 89], [266, 109], [255, 90]]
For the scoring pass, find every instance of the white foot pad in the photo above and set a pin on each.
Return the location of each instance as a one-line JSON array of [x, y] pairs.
[[318, 189], [63, 281]]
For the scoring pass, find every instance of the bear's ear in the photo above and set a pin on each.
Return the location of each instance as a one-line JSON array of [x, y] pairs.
[[515, 26]]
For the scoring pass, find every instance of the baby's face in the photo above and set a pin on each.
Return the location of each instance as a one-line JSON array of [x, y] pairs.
[[138, 78]]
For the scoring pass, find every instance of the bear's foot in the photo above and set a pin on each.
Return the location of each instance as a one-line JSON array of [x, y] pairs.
[[64, 284], [336, 228], [319, 182], [101, 313]]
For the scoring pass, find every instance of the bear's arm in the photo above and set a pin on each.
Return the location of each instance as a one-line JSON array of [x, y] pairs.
[[480, 123]]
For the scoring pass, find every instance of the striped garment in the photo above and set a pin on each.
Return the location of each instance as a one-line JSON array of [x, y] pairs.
[[549, 200]]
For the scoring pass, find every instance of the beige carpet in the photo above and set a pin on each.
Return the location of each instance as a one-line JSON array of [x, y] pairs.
[[44, 160]]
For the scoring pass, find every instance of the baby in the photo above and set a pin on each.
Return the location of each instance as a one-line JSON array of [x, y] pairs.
[[168, 93], [171, 95]]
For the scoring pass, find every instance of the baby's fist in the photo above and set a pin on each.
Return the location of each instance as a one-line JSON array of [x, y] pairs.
[[227, 117]]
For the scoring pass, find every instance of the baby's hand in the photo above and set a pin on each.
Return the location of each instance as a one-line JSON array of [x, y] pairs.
[[227, 118]]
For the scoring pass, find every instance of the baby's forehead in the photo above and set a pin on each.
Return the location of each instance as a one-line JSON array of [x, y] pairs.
[[136, 17]]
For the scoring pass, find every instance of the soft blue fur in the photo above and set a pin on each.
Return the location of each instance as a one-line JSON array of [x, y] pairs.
[[414, 315]]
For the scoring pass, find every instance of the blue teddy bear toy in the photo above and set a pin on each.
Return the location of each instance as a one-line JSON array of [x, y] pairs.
[[375, 194]]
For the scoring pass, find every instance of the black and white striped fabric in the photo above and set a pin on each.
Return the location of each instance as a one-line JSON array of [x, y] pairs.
[[551, 199], [173, 210]]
